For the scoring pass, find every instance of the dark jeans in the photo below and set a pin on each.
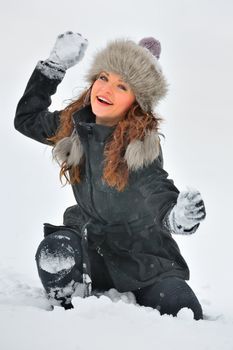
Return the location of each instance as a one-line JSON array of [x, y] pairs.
[[59, 263]]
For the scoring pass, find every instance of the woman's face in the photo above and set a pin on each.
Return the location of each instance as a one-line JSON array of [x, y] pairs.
[[111, 98]]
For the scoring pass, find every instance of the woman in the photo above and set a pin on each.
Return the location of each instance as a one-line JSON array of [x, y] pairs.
[[119, 235]]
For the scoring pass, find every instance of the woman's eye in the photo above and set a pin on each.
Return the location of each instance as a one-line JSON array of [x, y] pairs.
[[122, 87], [103, 77]]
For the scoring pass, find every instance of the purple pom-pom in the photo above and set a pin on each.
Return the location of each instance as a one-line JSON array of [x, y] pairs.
[[152, 44]]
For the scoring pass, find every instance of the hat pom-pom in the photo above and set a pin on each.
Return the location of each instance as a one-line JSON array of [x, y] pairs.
[[152, 44]]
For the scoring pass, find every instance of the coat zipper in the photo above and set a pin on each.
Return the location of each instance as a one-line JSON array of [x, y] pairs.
[[90, 133]]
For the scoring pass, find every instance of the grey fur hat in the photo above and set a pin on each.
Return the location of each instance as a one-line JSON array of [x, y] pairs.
[[138, 66]]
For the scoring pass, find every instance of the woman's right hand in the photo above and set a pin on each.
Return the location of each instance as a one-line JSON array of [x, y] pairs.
[[69, 49]]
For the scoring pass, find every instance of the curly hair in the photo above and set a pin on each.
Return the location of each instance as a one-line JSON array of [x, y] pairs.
[[133, 127]]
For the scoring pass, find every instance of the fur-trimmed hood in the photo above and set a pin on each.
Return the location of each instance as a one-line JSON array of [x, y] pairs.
[[137, 154]]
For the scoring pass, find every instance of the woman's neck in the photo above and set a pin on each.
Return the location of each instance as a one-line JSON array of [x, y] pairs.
[[106, 121]]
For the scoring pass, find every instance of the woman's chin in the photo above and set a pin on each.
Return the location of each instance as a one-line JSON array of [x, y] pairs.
[[100, 111]]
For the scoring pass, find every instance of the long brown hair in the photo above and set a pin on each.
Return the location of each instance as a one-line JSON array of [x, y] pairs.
[[133, 127]]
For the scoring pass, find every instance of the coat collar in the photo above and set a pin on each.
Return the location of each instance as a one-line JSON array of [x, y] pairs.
[[84, 123], [137, 154], [84, 114]]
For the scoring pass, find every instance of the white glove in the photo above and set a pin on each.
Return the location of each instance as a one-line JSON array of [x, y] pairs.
[[188, 212], [69, 49]]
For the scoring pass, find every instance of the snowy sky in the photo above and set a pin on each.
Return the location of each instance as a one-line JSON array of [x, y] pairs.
[[197, 56]]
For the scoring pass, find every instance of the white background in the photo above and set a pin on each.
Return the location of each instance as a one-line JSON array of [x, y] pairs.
[[197, 55]]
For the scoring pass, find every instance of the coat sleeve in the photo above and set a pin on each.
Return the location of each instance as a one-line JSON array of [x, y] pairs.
[[159, 192], [32, 118], [160, 195]]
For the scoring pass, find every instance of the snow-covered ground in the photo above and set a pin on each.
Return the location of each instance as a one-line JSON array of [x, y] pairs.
[[111, 321], [197, 56]]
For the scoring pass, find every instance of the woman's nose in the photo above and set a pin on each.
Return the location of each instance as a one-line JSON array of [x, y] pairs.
[[108, 89]]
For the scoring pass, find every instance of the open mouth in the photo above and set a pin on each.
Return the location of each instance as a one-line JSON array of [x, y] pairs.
[[104, 101]]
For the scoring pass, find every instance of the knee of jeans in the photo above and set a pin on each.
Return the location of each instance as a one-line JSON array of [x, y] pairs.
[[58, 252]]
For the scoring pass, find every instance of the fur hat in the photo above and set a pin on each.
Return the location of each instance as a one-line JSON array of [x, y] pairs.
[[138, 66]]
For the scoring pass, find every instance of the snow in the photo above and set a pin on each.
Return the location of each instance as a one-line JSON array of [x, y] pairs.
[[112, 320], [53, 264], [66, 48], [51, 70]]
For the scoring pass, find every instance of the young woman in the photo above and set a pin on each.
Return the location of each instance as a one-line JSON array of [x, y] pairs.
[[119, 235]]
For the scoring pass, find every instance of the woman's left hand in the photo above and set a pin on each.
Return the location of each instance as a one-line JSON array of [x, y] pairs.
[[189, 209], [187, 213]]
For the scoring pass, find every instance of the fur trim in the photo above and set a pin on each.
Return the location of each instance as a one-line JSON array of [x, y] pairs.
[[138, 153], [137, 67], [69, 150], [51, 69], [142, 153]]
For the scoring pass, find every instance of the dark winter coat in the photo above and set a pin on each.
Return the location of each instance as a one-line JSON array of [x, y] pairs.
[[126, 227]]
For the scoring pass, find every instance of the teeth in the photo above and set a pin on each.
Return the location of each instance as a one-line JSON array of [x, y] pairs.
[[103, 99]]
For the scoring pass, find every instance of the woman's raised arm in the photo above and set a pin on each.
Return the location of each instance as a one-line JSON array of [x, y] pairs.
[[33, 119]]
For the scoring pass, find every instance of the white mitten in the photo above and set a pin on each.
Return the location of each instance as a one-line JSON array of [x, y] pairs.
[[69, 49], [187, 213]]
